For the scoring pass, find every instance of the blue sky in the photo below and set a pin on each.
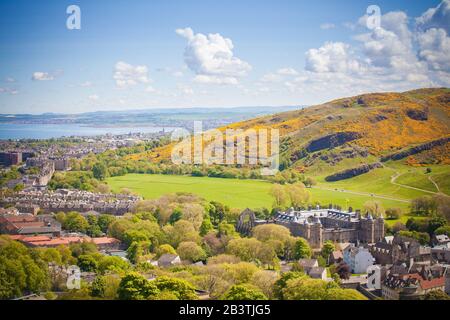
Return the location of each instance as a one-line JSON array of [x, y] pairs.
[[129, 54]]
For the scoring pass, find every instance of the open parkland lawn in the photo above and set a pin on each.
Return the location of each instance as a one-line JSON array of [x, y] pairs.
[[233, 192]]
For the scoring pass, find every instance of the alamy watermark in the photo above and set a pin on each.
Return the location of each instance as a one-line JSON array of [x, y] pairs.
[[231, 147], [373, 20], [73, 277], [73, 22]]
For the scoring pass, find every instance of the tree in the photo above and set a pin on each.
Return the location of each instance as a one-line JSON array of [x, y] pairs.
[[165, 249], [424, 205], [265, 232], [217, 212], [302, 249], [279, 196], [244, 292], [21, 270], [112, 263], [422, 237], [175, 216], [393, 213], [133, 235], [327, 249], [206, 225], [133, 286], [136, 250], [281, 283], [398, 226], [98, 287], [265, 281], [75, 222], [193, 212], [191, 251], [182, 289], [343, 270], [373, 207], [436, 295], [88, 263], [104, 220], [309, 182], [298, 195], [305, 288], [100, 171], [443, 230], [244, 248], [436, 222]]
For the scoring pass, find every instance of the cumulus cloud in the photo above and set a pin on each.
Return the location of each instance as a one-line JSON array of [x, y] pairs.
[[433, 37], [42, 76], [390, 43], [438, 17], [396, 56], [211, 58], [127, 75], [435, 49], [331, 57]]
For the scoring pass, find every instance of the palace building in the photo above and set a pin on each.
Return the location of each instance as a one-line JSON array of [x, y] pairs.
[[320, 225]]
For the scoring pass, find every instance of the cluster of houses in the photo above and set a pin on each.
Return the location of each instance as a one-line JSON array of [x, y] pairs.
[[405, 269], [71, 200], [44, 231]]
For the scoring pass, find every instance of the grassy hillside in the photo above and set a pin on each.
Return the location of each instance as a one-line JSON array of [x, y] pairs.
[[232, 192], [407, 136]]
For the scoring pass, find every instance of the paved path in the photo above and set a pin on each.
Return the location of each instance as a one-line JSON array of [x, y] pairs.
[[363, 194], [398, 174]]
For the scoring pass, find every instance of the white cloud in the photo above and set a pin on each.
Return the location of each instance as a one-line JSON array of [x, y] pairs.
[[393, 57], [10, 79], [327, 26], [11, 91], [331, 57], [211, 58], [127, 75], [438, 17], [271, 77], [42, 76], [390, 43], [435, 49], [433, 37], [287, 72]]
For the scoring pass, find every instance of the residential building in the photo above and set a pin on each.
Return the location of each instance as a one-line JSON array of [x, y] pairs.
[[358, 259], [27, 224], [411, 286]]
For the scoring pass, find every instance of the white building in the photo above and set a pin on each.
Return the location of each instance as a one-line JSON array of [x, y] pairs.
[[359, 259]]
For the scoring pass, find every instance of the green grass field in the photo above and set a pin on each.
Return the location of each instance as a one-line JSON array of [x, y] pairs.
[[232, 192]]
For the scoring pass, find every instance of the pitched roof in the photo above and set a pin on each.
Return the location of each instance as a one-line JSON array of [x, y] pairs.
[[316, 271], [167, 258], [308, 263]]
